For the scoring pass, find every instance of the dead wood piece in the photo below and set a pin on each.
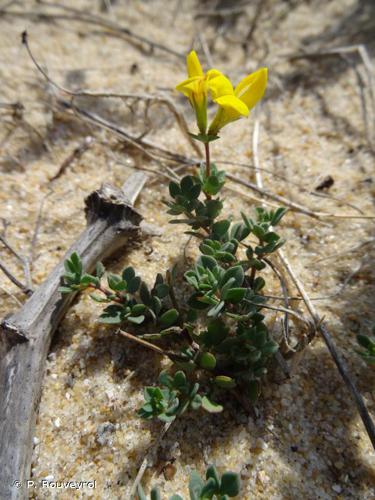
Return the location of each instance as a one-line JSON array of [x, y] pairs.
[[26, 335]]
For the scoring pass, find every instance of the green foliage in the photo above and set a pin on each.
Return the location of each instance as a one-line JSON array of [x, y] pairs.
[[129, 299], [368, 347], [173, 398], [213, 487], [221, 343], [198, 213]]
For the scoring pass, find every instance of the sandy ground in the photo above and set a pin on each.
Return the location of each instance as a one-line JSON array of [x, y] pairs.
[[309, 441]]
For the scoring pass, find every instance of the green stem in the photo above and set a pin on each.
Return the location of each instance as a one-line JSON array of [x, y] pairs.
[[208, 164]]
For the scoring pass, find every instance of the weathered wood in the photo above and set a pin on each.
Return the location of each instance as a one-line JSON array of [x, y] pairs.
[[25, 336]]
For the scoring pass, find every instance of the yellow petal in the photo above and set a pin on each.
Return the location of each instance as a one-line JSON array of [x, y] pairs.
[[219, 86], [233, 104], [251, 89], [194, 67], [189, 85]]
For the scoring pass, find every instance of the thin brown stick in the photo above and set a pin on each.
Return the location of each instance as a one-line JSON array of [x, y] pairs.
[[74, 155], [28, 288], [27, 291]]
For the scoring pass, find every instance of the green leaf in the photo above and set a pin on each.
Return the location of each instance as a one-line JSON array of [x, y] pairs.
[[140, 492], [87, 280], [214, 207], [137, 320], [145, 294], [196, 402], [220, 228], [99, 270], [225, 382], [259, 232], [211, 406], [175, 497], [235, 272], [207, 261], [205, 138], [156, 305], [138, 309], [278, 215], [162, 290], [195, 486], [76, 263], [258, 284], [230, 484], [174, 189], [133, 284], [234, 295], [211, 472], [169, 318], [207, 361], [365, 341], [98, 298], [215, 311], [217, 331], [108, 319], [195, 303], [206, 249], [128, 274], [65, 289], [225, 257], [209, 489], [269, 348], [115, 282], [155, 494], [179, 379]]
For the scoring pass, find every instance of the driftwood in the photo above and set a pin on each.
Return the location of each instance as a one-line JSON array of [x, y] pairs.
[[25, 336]]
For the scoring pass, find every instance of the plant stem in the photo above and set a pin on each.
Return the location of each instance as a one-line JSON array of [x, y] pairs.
[[208, 164]]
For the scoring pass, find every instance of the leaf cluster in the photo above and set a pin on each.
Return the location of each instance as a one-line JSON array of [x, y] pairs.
[[129, 298], [174, 397], [223, 487], [185, 194]]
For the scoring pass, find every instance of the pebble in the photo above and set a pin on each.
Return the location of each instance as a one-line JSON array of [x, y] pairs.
[[337, 488]]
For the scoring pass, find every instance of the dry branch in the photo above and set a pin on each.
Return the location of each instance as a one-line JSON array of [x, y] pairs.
[[26, 335]]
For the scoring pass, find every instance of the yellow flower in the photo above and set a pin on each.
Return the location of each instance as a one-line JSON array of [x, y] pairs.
[[233, 104], [195, 88]]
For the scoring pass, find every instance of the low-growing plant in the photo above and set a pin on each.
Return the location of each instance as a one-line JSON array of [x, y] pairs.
[[214, 487], [220, 338]]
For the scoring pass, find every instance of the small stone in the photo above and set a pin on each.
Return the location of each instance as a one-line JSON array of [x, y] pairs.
[[337, 488], [57, 423], [103, 434], [36, 440]]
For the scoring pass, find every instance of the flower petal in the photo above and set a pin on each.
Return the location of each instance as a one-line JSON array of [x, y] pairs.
[[194, 67], [219, 86], [189, 85], [251, 89], [232, 104]]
